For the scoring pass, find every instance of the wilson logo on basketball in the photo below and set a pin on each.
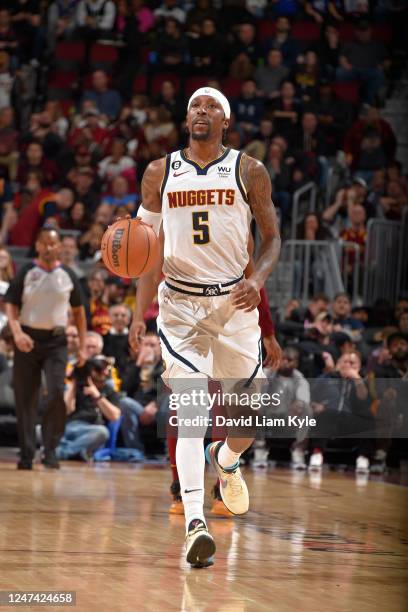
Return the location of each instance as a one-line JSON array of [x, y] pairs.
[[116, 245]]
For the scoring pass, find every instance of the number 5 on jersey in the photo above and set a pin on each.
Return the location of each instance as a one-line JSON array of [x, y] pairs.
[[201, 227]]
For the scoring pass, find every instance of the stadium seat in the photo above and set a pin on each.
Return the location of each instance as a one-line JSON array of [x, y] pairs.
[[193, 83], [306, 31], [266, 29], [159, 79], [346, 31], [103, 56], [62, 79], [70, 52], [348, 91], [140, 84], [231, 87]]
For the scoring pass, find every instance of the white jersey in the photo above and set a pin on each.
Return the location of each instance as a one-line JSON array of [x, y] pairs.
[[206, 219]]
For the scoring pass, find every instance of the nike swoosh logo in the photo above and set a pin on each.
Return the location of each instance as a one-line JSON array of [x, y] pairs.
[[191, 490], [180, 173]]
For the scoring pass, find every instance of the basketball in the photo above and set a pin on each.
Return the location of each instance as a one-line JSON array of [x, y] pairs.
[[129, 248]]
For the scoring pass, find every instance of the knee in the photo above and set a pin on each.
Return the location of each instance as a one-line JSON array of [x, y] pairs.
[[101, 433], [130, 406]]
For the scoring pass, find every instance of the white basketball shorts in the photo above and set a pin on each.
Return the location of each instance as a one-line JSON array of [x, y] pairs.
[[208, 335]]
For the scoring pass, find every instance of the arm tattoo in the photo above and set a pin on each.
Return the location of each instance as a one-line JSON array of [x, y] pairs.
[[258, 186]]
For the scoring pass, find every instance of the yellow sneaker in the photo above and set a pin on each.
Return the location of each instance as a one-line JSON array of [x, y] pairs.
[[233, 489]]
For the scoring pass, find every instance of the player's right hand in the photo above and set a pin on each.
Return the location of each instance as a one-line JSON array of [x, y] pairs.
[[24, 342], [136, 332]]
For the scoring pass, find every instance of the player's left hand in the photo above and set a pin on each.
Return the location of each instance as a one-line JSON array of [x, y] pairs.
[[245, 295], [273, 352]]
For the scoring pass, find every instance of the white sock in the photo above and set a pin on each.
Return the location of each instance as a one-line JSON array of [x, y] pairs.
[[227, 457], [190, 466]]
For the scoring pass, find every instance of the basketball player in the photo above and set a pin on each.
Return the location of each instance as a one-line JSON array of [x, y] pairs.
[[204, 197]]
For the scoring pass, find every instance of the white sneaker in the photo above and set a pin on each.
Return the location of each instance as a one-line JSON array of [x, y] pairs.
[[200, 544], [316, 462], [233, 489], [298, 459], [362, 465], [260, 459], [379, 463]]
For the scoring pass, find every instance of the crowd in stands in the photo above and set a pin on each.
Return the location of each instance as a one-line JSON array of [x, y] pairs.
[[92, 90]]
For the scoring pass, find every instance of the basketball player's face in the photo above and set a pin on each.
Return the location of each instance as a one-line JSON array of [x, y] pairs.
[[206, 119]]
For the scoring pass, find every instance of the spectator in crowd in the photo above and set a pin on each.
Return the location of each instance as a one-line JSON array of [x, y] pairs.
[[69, 255], [61, 21], [8, 142], [26, 20], [143, 15], [6, 266], [294, 400], [90, 134], [245, 51], [307, 75], [140, 382], [73, 345], [283, 40], [334, 115], [42, 130], [169, 9], [98, 315], [90, 241], [207, 52], [90, 402], [286, 109], [171, 46], [310, 150], [341, 407], [171, 101], [328, 50], [86, 188], [76, 219], [199, 13], [34, 161], [8, 37], [7, 80], [365, 60], [370, 143], [337, 214], [355, 233], [268, 78], [121, 194], [115, 342], [117, 163], [390, 396], [280, 172], [95, 19], [394, 201], [248, 107], [312, 228], [106, 100], [159, 128], [343, 320]]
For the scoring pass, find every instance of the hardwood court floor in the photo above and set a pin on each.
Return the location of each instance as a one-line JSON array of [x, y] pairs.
[[104, 532]]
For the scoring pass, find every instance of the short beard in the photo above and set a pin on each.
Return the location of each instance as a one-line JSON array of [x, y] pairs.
[[200, 136]]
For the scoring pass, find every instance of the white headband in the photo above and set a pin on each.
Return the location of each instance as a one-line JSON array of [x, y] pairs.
[[214, 93]]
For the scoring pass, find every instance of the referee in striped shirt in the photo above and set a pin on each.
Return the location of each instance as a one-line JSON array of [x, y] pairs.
[[37, 304]]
